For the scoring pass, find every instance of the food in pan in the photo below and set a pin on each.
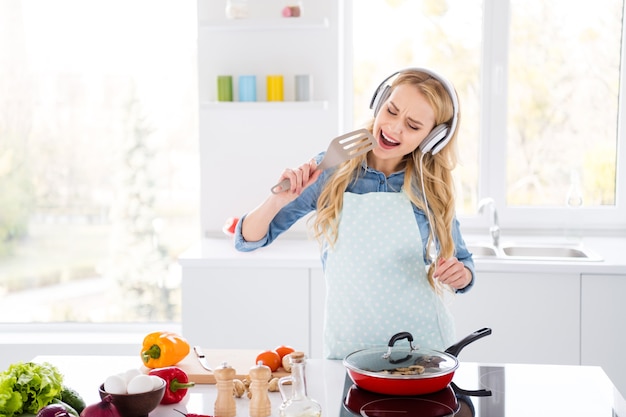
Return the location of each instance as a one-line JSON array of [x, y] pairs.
[[418, 367]]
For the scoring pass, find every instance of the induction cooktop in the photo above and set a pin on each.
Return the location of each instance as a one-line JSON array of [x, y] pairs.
[[514, 391]]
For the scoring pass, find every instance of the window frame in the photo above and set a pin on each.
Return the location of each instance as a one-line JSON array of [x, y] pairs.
[[609, 220], [492, 177]]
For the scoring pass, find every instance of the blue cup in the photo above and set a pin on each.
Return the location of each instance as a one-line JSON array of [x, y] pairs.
[[247, 88]]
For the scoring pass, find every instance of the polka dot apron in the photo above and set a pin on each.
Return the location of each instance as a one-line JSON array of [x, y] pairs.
[[376, 280]]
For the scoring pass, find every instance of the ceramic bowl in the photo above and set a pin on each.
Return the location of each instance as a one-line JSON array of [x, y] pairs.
[[136, 405]]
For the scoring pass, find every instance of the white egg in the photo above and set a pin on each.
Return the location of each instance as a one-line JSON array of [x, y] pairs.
[[130, 374], [115, 384], [157, 381], [140, 383]]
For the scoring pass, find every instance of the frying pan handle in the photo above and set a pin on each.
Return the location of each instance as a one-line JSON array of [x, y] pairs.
[[470, 393], [455, 349]]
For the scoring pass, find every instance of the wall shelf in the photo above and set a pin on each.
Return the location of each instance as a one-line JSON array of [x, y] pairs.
[[264, 105], [264, 24]]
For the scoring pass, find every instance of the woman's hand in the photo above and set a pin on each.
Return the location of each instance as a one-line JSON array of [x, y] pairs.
[[452, 272], [299, 179], [256, 223]]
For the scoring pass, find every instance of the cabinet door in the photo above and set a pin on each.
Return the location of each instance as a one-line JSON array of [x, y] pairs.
[[534, 318], [318, 301], [602, 326], [246, 308]]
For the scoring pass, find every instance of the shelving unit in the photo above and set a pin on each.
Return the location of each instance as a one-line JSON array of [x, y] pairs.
[[244, 146], [264, 105], [272, 24]]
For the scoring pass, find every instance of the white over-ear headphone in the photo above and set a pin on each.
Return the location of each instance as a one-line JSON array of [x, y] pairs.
[[441, 134]]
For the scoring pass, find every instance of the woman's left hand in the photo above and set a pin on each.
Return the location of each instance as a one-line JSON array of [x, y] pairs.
[[452, 272]]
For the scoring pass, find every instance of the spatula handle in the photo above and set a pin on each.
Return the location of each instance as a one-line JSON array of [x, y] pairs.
[[281, 186]]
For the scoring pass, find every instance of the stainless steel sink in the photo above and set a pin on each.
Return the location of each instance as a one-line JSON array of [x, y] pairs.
[[534, 252]]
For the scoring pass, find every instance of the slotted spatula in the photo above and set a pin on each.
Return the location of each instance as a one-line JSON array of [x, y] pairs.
[[342, 148]]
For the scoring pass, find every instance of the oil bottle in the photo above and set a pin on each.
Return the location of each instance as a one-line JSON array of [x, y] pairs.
[[297, 403]]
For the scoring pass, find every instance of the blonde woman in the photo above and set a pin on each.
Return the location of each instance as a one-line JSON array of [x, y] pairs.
[[389, 237]]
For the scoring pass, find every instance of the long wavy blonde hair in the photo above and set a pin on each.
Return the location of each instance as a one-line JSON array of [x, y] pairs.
[[437, 176]]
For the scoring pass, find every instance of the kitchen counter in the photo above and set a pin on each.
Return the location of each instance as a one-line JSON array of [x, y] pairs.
[[303, 253], [517, 390]]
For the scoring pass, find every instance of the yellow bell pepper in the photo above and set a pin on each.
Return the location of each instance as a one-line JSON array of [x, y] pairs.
[[161, 349]]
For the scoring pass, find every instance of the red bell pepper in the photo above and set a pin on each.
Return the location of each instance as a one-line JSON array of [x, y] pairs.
[[177, 382]]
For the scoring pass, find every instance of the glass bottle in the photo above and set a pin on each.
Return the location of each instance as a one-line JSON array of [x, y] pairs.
[[298, 403]]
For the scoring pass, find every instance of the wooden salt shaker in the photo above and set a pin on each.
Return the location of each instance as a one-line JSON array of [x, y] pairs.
[[260, 405], [225, 405]]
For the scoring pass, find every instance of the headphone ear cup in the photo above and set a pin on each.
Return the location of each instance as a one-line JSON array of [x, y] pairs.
[[434, 138], [380, 98]]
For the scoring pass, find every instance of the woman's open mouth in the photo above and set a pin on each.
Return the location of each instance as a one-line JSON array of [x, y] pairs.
[[386, 141]]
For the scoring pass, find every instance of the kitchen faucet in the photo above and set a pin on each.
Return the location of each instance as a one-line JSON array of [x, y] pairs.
[[494, 229]]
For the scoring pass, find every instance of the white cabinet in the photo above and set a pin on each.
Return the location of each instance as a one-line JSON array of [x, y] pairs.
[[254, 308], [534, 318], [246, 308], [244, 146], [603, 313], [318, 301]]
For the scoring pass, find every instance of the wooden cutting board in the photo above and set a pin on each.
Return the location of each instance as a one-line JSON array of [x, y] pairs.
[[241, 360]]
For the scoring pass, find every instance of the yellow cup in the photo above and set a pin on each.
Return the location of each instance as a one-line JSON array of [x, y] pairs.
[[274, 88]]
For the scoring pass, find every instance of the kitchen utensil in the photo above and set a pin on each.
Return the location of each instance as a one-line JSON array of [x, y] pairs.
[[342, 148], [388, 370], [240, 359], [202, 358]]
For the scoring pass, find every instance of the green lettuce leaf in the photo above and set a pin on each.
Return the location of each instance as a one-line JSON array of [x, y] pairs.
[[28, 387]]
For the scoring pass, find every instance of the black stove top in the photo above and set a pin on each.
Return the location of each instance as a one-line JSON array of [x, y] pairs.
[[515, 391]]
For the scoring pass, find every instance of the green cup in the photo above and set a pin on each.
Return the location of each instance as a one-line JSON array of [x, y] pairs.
[[224, 88]]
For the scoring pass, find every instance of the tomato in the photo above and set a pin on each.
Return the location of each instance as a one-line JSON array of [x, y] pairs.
[[284, 350], [230, 225], [270, 358]]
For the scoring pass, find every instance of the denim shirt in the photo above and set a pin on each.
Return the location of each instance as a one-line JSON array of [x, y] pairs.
[[368, 181]]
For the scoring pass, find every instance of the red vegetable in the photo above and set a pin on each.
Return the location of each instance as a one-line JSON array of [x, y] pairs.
[[53, 410], [176, 381], [104, 408], [230, 225]]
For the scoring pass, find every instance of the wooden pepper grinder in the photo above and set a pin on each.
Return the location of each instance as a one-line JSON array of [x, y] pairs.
[[225, 405], [260, 405]]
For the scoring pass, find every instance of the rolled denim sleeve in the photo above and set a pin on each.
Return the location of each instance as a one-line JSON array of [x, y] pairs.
[[243, 245]]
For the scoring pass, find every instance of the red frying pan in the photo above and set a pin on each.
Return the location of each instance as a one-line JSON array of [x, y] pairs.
[[398, 370]]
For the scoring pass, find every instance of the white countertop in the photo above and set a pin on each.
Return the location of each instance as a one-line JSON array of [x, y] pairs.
[[303, 253], [538, 390]]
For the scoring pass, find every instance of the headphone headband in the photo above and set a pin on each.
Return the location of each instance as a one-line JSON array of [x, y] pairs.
[[441, 134]]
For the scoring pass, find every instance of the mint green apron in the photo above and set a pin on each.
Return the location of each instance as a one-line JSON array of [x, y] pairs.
[[376, 281]]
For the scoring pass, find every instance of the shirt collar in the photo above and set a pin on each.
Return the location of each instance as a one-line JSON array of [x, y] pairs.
[[367, 168]]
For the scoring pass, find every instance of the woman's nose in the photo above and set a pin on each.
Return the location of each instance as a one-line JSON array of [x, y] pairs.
[[395, 125]]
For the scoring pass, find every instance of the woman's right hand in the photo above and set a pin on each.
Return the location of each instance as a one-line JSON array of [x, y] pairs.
[[299, 178], [255, 224]]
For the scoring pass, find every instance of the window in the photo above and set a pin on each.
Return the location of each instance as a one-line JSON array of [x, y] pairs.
[[98, 159], [539, 85]]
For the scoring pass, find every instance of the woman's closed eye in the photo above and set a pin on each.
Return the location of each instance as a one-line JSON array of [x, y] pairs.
[[411, 123]]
